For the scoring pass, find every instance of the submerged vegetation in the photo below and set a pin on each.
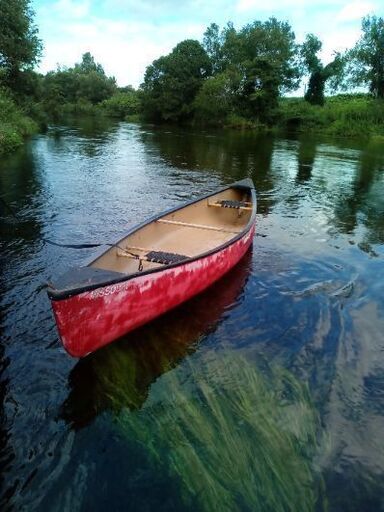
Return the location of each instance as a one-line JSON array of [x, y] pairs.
[[234, 438], [233, 77]]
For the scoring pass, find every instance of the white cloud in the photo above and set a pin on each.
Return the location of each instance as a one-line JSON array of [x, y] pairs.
[[124, 49], [355, 10], [276, 6], [71, 8], [125, 36]]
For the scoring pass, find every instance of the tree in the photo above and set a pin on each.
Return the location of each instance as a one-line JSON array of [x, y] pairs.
[[319, 74], [215, 100], [88, 65], [86, 81], [172, 82], [122, 104], [366, 59], [213, 45], [264, 56], [20, 47]]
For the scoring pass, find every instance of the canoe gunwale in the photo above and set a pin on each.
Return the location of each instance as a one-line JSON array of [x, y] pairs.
[[57, 295]]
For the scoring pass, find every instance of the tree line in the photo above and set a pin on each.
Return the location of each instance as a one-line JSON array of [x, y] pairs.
[[232, 73], [245, 72]]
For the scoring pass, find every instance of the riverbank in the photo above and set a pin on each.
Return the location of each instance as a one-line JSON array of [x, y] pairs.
[[347, 115], [344, 115], [15, 125]]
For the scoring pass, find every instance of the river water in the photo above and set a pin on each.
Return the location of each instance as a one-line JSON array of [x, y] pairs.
[[264, 393]]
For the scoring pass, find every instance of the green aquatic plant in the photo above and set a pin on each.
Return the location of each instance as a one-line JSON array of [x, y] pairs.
[[234, 437]]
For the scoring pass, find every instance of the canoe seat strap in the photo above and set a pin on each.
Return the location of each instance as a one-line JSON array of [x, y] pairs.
[[165, 258], [229, 203]]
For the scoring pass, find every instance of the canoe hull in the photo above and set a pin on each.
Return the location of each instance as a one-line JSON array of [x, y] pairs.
[[89, 320]]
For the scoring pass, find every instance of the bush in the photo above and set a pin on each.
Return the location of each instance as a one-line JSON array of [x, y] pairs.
[[81, 107], [241, 123], [345, 115], [214, 101], [122, 104], [14, 124], [10, 139]]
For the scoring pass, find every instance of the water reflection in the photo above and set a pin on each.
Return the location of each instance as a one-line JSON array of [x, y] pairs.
[[21, 189], [363, 202], [234, 155], [85, 136], [129, 367], [306, 158], [294, 335]]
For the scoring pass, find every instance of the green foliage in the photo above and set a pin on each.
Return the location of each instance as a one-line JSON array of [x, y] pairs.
[[319, 74], [345, 115], [315, 91], [14, 124], [20, 48], [172, 82], [262, 60], [213, 43], [83, 85], [366, 61], [309, 50], [241, 123], [122, 104], [81, 107], [215, 100]]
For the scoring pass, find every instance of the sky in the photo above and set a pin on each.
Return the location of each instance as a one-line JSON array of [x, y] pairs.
[[125, 36]]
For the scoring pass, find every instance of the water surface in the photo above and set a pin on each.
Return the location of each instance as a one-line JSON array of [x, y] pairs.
[[264, 393]]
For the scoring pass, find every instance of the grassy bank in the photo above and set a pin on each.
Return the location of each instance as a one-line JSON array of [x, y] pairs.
[[15, 125], [347, 115]]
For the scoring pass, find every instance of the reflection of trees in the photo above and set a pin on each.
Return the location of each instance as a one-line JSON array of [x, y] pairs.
[[131, 365], [306, 157], [99, 127], [364, 202], [233, 154], [20, 187], [86, 134]]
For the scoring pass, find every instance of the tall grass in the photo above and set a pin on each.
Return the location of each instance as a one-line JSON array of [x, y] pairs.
[[235, 438], [345, 115]]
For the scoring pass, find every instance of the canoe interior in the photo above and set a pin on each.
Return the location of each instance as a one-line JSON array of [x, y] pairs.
[[212, 226]]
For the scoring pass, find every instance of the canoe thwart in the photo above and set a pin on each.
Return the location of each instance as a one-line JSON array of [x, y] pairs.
[[197, 226], [238, 205]]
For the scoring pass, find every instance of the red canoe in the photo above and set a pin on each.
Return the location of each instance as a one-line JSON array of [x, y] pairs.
[[153, 268]]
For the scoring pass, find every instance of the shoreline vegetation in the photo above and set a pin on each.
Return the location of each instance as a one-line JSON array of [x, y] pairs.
[[235, 78]]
